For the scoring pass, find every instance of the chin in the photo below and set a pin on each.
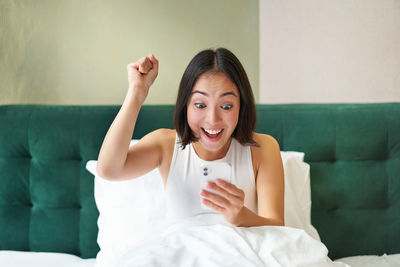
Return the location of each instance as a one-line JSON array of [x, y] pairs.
[[213, 146]]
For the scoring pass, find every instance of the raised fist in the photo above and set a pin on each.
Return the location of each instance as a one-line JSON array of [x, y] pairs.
[[141, 75]]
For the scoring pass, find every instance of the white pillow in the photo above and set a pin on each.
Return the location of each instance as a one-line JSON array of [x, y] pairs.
[[128, 210], [297, 192]]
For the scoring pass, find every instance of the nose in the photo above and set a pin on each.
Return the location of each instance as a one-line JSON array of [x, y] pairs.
[[213, 116]]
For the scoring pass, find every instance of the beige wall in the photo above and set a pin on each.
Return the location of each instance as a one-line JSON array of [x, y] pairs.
[[76, 52], [329, 51]]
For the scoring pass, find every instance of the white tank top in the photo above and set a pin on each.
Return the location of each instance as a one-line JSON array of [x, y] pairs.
[[184, 183]]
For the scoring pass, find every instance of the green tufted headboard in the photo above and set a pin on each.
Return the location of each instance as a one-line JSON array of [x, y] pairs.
[[46, 194]]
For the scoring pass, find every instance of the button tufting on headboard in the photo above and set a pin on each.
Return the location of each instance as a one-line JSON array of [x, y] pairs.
[[46, 194]]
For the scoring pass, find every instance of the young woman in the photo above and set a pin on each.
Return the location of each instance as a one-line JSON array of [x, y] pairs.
[[215, 118]]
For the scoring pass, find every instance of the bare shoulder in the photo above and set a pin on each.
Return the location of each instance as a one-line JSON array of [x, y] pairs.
[[166, 137], [266, 142], [153, 143], [159, 137], [162, 134], [266, 151], [163, 139]]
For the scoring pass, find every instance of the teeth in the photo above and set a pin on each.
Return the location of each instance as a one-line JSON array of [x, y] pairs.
[[213, 131]]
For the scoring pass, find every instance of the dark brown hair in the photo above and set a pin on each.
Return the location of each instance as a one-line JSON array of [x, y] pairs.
[[224, 61]]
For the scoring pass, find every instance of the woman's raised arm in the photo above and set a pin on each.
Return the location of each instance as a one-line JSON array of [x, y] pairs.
[[113, 154]]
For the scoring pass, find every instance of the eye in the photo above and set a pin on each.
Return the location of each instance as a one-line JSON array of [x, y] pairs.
[[226, 107], [199, 105]]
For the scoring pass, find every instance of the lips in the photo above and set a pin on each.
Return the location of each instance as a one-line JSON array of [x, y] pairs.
[[212, 134]]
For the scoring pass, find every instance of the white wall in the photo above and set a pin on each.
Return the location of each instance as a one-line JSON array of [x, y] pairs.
[[329, 51]]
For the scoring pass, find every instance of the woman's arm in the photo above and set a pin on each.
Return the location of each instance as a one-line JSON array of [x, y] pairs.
[[270, 181], [116, 161]]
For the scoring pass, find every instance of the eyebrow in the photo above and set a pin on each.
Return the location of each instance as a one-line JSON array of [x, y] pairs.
[[224, 94]]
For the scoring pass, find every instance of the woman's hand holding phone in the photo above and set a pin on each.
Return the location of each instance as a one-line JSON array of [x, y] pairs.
[[229, 200], [221, 195], [141, 75]]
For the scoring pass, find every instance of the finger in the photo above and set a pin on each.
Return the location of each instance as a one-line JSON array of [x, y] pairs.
[[154, 61], [134, 65], [217, 199], [145, 65], [153, 73], [231, 188], [233, 199], [222, 191], [212, 205]]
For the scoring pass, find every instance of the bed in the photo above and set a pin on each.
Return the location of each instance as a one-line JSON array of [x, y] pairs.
[[48, 212]]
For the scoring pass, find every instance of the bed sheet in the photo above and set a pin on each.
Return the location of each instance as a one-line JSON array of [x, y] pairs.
[[385, 260], [196, 243], [46, 259], [10, 258]]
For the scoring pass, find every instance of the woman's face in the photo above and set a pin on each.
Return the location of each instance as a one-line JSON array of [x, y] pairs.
[[213, 111]]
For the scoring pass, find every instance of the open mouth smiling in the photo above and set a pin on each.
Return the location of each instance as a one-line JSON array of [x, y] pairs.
[[212, 133]]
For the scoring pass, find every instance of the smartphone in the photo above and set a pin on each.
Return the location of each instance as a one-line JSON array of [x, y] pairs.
[[212, 171]]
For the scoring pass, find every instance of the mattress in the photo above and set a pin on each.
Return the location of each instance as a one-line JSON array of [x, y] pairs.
[[47, 259], [372, 261], [42, 259]]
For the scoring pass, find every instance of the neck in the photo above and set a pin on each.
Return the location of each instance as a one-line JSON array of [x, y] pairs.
[[211, 155]]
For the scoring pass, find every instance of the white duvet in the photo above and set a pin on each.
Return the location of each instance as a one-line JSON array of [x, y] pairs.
[[190, 243]]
